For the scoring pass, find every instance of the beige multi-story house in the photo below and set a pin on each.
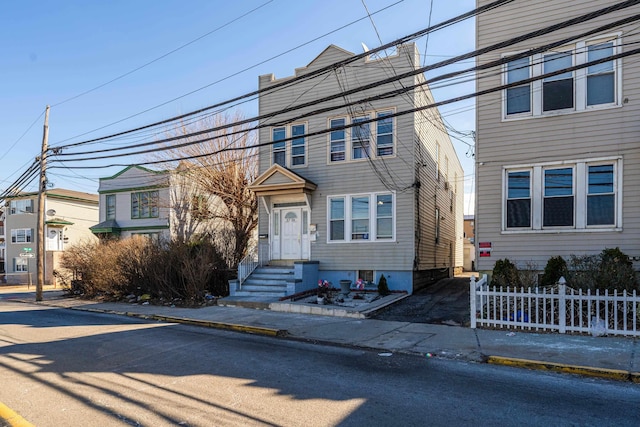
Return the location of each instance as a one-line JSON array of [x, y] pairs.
[[157, 204], [558, 149], [131, 203], [362, 190], [68, 216]]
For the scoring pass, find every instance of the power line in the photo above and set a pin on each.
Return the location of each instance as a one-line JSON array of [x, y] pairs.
[[500, 45], [505, 59], [209, 85], [162, 56], [307, 76], [396, 114]]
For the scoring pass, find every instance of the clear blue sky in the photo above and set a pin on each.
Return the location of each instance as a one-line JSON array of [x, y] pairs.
[[53, 51]]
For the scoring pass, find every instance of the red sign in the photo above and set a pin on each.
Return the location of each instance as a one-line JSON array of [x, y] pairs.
[[484, 245], [484, 254]]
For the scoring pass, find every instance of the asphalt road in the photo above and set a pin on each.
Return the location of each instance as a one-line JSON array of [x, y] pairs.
[[443, 302], [68, 368]]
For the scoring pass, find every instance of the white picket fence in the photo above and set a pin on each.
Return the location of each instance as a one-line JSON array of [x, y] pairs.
[[560, 309]]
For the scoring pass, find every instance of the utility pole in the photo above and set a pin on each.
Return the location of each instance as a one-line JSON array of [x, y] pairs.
[[40, 246]]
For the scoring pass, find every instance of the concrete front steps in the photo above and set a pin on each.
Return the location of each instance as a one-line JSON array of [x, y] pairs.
[[267, 282]]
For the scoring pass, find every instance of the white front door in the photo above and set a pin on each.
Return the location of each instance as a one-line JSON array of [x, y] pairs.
[[291, 237], [53, 240]]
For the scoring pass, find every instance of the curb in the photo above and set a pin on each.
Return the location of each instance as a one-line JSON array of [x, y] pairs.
[[9, 416], [256, 330], [612, 374]]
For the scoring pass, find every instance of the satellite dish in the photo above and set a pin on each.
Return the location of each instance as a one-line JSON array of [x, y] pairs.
[[51, 212], [364, 47]]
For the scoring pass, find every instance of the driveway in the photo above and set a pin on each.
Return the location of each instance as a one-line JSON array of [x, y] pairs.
[[443, 302]]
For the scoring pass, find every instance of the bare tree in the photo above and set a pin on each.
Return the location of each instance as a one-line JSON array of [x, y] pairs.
[[217, 169]]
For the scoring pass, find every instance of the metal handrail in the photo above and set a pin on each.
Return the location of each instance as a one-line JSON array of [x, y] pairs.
[[247, 265]]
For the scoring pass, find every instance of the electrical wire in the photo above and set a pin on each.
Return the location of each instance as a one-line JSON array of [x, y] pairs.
[[478, 52], [288, 82], [162, 56], [399, 113]]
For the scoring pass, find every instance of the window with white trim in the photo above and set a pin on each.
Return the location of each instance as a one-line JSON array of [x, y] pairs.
[[21, 265], [24, 206], [279, 146], [361, 217], [22, 235], [601, 81], [293, 153], [596, 86], [384, 134], [601, 195], [365, 141], [574, 195], [558, 199], [360, 139], [337, 140], [518, 199]]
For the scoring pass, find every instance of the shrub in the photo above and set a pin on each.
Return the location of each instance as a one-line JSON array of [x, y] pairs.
[[169, 270], [616, 271], [505, 273], [582, 271], [383, 288], [528, 274], [555, 269], [611, 270]]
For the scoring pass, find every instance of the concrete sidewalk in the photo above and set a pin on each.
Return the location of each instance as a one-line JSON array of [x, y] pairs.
[[608, 357]]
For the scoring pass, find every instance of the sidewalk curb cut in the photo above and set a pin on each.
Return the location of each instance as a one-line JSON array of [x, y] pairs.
[[612, 374], [13, 419]]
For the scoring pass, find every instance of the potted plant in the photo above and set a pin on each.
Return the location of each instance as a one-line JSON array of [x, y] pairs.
[[345, 287], [323, 291], [360, 284]]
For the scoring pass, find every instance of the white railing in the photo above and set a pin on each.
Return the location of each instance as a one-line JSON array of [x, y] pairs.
[[257, 256], [560, 309], [248, 264]]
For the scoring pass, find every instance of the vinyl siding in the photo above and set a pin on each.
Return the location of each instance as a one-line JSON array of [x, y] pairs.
[[591, 134], [395, 173], [436, 190]]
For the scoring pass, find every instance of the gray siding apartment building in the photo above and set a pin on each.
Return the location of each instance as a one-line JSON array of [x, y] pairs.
[[557, 160], [381, 197]]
